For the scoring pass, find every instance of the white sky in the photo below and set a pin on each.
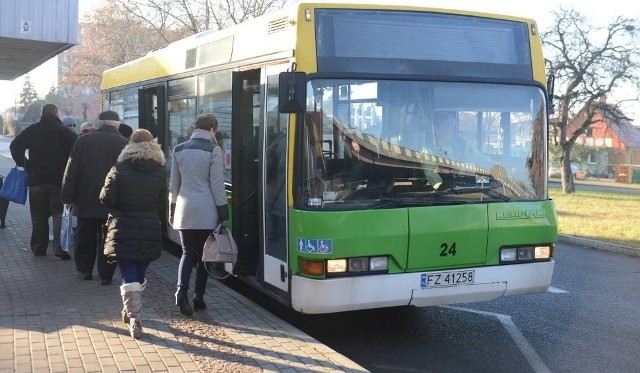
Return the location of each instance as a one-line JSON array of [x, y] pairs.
[[598, 12]]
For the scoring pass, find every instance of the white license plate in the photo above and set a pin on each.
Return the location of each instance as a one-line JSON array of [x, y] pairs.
[[441, 279]]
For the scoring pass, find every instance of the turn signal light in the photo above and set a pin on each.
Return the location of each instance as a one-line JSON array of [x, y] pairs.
[[313, 268]]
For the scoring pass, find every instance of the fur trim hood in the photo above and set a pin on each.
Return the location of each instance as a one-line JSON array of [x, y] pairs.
[[142, 151]]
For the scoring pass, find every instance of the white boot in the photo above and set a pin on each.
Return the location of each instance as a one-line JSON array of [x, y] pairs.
[[132, 307], [125, 316], [135, 328]]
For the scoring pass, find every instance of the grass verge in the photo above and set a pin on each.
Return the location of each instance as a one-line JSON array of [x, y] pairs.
[[611, 217]]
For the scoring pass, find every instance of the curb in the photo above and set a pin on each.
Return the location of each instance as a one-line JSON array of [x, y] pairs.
[[599, 245]]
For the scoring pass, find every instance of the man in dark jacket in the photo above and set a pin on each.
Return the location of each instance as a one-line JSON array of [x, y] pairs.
[[91, 158], [49, 143]]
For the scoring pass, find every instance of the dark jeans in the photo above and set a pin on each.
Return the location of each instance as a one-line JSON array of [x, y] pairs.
[[89, 243], [133, 270], [44, 201], [192, 242]]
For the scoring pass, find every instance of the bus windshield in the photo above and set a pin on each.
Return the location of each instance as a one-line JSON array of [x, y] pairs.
[[384, 144]]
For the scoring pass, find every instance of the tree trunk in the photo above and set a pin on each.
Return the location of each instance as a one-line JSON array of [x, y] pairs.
[[565, 170]]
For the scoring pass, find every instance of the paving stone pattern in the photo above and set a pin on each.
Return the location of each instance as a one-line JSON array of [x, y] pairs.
[[52, 321]]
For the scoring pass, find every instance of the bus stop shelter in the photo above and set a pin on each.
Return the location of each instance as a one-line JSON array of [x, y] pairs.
[[33, 31]]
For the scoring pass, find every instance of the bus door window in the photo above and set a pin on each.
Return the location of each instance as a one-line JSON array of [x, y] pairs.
[[275, 174], [315, 160], [131, 112], [244, 161], [214, 96], [148, 109], [182, 116], [182, 112], [116, 102]]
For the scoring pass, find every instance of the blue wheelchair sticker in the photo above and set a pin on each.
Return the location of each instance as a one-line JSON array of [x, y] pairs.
[[310, 246]]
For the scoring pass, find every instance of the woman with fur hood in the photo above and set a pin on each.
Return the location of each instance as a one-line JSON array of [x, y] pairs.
[[134, 191]]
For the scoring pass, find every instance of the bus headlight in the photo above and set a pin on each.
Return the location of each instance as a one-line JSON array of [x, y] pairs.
[[336, 265], [509, 254], [542, 252], [525, 253], [379, 263], [522, 254], [358, 264]]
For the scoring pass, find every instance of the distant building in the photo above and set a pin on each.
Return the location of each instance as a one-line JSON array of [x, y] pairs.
[[616, 146]]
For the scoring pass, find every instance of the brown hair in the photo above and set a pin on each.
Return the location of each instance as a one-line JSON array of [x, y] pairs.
[[207, 122], [141, 135]]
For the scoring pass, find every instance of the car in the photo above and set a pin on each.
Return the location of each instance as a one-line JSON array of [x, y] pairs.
[[554, 171], [576, 170]]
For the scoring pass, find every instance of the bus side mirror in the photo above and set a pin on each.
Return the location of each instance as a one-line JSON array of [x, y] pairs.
[[551, 80], [292, 95]]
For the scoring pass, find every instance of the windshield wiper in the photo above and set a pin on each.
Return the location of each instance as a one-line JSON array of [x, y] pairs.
[[414, 201], [487, 190]]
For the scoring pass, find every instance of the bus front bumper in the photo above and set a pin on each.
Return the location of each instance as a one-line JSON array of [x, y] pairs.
[[389, 290]]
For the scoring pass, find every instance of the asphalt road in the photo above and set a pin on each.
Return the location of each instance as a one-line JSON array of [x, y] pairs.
[[602, 186], [586, 323]]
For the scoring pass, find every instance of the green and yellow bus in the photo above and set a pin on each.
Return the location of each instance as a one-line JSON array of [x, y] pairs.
[[376, 155]]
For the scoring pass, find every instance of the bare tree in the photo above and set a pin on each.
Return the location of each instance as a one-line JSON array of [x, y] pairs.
[[109, 37], [124, 30], [589, 64], [197, 15]]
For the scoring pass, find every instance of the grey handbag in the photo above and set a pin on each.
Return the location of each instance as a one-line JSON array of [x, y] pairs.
[[220, 247]]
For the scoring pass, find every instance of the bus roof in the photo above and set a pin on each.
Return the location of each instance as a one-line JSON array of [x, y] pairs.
[[268, 36]]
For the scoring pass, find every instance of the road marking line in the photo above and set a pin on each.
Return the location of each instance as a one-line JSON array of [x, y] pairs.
[[556, 290], [521, 341]]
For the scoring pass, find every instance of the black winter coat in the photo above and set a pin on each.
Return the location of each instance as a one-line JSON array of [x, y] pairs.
[[49, 143], [135, 191], [90, 160]]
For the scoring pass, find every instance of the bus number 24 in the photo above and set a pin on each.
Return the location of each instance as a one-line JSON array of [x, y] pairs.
[[448, 249]]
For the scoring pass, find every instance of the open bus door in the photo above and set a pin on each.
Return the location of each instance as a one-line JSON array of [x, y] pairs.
[[152, 116], [274, 176], [244, 164], [259, 187]]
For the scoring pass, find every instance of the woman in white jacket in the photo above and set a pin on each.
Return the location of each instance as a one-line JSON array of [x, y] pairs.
[[198, 204]]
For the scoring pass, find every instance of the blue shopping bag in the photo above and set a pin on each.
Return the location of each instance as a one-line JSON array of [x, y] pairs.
[[15, 188], [68, 230]]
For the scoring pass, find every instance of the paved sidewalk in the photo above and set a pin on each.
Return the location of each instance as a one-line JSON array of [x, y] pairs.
[[52, 321]]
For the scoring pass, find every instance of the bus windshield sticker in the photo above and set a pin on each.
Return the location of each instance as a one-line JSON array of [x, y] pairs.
[[310, 246], [482, 179], [329, 195]]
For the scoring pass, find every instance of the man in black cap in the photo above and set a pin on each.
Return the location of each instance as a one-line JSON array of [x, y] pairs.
[[91, 158], [49, 143]]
